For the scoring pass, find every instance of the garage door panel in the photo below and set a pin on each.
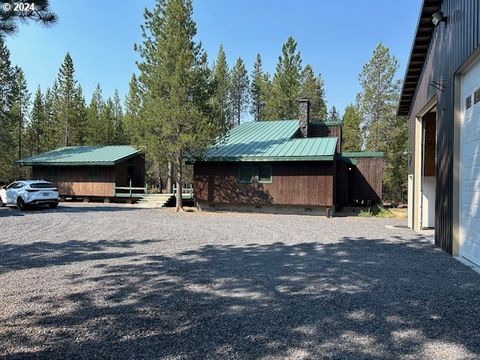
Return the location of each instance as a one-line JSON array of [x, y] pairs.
[[470, 168]]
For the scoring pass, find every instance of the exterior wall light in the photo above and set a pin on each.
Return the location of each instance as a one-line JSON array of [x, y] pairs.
[[438, 17]]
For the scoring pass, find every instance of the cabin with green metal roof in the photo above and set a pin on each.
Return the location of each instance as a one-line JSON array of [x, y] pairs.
[[106, 172], [286, 165]]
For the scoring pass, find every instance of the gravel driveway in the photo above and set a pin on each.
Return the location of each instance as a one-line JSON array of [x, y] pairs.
[[115, 282]]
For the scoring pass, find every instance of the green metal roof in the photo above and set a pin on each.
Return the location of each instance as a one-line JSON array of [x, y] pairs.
[[362, 154], [270, 141], [82, 155]]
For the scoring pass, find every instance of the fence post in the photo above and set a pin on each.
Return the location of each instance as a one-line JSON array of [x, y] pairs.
[[130, 188]]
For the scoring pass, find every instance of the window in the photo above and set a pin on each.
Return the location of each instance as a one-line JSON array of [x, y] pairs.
[[92, 172], [468, 102], [42, 185], [265, 173], [476, 96], [255, 173], [246, 174]]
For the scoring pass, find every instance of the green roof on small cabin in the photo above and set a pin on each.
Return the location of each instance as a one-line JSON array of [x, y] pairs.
[[270, 141], [81, 156], [351, 157]]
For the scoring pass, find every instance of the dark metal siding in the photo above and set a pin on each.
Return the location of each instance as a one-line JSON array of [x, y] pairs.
[[450, 47]]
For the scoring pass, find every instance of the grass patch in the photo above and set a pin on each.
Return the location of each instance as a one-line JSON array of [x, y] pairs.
[[376, 211]]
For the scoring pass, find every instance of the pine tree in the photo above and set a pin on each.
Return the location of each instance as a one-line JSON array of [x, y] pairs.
[[19, 110], [220, 97], [259, 90], [107, 123], [51, 129], [66, 101], [40, 13], [79, 122], [333, 115], [283, 102], [118, 126], [36, 125], [382, 130], [174, 77], [8, 144], [378, 98], [239, 90], [313, 88], [133, 105], [352, 139], [94, 129], [396, 165]]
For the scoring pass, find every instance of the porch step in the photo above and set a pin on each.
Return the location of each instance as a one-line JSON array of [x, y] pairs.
[[153, 201]]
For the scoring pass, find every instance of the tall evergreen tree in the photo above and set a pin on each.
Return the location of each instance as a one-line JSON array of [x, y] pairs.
[[378, 97], [381, 128], [259, 89], [19, 110], [8, 127], [79, 117], [37, 124], [107, 123], [220, 97], [95, 130], [351, 137], [118, 126], [50, 129], [313, 88], [283, 102], [333, 114], [67, 102], [174, 76], [133, 105], [239, 90]]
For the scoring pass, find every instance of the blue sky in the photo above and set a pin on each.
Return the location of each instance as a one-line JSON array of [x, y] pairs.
[[335, 37]]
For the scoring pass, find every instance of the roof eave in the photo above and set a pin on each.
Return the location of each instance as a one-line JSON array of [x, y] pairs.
[[43, 163], [421, 41], [266, 158]]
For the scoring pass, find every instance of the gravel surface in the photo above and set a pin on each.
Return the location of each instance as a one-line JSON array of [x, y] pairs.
[[115, 282]]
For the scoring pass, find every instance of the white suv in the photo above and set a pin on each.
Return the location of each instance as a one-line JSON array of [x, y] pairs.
[[26, 193]]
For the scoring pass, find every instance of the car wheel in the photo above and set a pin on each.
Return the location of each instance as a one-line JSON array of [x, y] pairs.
[[21, 204], [53, 205]]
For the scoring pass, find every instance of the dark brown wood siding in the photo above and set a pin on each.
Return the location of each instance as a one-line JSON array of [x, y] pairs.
[[131, 169], [293, 183], [365, 181], [451, 45], [361, 184], [342, 184]]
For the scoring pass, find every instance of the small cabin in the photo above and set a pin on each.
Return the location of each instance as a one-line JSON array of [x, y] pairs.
[[286, 166], [91, 171]]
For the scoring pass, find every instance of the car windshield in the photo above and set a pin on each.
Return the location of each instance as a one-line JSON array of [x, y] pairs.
[[42, 185]]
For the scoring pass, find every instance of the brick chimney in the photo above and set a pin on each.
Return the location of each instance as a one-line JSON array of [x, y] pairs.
[[304, 116]]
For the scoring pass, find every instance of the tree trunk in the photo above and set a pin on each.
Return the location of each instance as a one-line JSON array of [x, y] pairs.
[[179, 199], [169, 177]]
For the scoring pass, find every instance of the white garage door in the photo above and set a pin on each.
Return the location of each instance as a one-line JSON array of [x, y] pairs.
[[470, 165]]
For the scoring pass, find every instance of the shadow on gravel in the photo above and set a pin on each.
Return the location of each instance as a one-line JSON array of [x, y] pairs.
[[8, 211], [354, 299], [42, 254], [71, 209]]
